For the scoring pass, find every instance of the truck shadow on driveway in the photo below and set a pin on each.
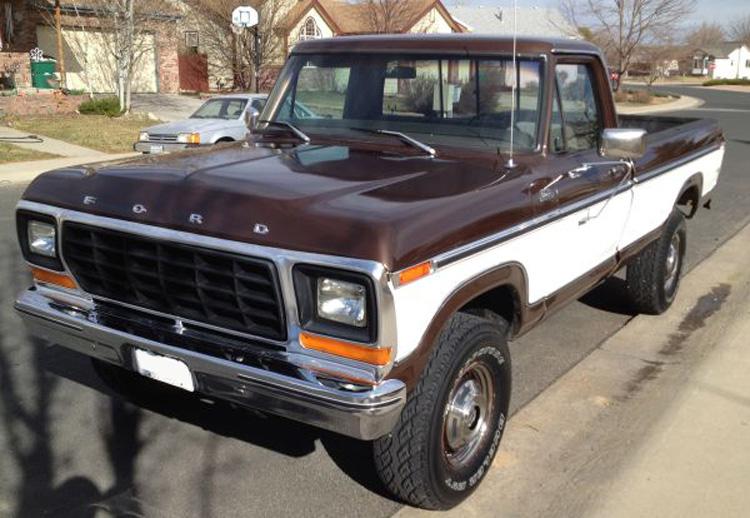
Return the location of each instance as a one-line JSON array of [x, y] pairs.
[[269, 432], [610, 296]]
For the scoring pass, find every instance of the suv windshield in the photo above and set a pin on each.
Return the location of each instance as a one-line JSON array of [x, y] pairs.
[[227, 109], [442, 99]]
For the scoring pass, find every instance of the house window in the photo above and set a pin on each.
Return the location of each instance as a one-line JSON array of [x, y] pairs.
[[310, 30], [747, 63], [192, 40]]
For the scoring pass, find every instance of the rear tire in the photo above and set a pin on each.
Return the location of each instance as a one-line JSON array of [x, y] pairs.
[[451, 426], [653, 276]]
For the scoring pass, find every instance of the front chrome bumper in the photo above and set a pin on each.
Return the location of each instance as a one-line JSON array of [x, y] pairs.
[[166, 147], [363, 415]]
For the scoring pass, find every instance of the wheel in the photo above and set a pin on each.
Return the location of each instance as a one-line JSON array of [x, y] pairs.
[[452, 423], [653, 276]]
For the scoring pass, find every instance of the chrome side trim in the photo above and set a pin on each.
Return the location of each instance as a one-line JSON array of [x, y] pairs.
[[475, 247], [676, 163], [284, 259], [490, 241]]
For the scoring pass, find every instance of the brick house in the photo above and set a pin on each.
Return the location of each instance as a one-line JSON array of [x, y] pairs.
[[27, 24]]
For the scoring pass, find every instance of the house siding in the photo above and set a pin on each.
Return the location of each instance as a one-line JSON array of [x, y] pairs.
[[432, 23]]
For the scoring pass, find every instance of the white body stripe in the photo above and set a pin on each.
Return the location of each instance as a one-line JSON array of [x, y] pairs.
[[558, 253]]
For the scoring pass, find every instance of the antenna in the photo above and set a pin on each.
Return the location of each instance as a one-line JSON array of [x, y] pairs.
[[511, 163]]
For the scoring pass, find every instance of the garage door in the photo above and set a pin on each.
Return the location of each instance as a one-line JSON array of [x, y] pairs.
[[90, 65]]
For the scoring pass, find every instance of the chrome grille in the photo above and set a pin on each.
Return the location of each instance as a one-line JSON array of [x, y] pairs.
[[217, 288]]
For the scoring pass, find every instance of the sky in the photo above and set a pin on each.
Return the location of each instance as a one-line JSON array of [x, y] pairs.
[[718, 11]]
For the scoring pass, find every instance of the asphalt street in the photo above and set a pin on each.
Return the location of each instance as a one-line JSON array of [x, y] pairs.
[[72, 448]]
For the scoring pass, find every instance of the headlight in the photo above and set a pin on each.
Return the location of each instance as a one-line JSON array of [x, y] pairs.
[[189, 138], [143, 136], [336, 303], [42, 238], [343, 302]]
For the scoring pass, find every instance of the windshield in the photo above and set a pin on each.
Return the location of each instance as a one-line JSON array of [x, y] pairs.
[[460, 101], [227, 109]]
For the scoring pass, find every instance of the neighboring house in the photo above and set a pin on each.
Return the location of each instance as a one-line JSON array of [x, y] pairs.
[[728, 60], [310, 19], [529, 21], [89, 65], [290, 21]]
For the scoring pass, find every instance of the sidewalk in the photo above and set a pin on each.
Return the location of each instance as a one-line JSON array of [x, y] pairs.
[[49, 145], [655, 422], [23, 172], [683, 103]]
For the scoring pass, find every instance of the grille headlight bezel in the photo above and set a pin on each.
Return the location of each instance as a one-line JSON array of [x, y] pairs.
[[340, 319], [44, 254]]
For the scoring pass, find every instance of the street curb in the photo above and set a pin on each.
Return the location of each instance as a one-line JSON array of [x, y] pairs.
[[683, 103], [560, 447]]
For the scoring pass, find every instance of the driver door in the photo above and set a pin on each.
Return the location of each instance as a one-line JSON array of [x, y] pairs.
[[591, 194]]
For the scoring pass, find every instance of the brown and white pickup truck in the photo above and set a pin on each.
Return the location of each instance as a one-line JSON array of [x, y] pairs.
[[362, 267]]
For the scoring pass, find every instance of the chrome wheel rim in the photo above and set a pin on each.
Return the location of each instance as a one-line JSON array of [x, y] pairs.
[[467, 413], [672, 265]]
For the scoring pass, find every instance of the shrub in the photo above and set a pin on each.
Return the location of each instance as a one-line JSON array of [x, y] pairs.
[[733, 82], [642, 97], [621, 96], [419, 94], [109, 106]]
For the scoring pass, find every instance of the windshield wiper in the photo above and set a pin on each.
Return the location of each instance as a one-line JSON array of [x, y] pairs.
[[430, 151], [291, 127]]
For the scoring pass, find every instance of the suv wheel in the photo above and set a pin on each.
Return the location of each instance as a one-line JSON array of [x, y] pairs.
[[653, 276], [451, 426]]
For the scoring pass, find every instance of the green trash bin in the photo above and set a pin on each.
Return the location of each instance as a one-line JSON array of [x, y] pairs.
[[40, 71]]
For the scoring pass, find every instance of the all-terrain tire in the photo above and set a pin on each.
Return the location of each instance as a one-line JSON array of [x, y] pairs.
[[414, 461], [652, 279]]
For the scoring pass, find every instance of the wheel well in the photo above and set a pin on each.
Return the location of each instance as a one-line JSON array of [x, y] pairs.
[[225, 139], [690, 200], [501, 302]]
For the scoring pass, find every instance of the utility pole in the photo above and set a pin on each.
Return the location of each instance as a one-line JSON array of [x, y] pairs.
[[60, 48]]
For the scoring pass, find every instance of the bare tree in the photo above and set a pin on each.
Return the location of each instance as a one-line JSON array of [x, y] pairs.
[[239, 52], [740, 30], [706, 35], [125, 26], [657, 61], [625, 25], [386, 16]]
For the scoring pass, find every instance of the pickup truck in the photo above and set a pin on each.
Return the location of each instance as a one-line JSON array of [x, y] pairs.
[[363, 270]]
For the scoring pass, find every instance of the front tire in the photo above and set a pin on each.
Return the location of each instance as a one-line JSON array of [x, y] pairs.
[[653, 276], [449, 431]]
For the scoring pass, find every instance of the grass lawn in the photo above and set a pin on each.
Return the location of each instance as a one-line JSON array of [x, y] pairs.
[[11, 153], [110, 135]]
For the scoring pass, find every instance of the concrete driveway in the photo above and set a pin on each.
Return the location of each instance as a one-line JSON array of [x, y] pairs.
[[166, 107]]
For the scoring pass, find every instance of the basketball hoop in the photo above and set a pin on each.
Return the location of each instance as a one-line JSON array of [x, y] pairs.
[[245, 17]]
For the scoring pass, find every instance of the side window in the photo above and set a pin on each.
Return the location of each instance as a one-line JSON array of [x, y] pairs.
[[580, 112], [556, 135], [259, 104]]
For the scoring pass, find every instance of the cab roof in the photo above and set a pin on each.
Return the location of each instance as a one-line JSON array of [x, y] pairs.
[[445, 43]]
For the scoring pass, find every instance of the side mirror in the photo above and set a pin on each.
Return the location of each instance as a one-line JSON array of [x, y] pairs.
[[623, 143], [251, 118]]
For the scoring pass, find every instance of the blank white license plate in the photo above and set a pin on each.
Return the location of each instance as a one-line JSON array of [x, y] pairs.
[[156, 149], [167, 370]]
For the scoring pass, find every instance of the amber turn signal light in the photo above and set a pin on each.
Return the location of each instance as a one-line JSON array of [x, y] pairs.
[[346, 349], [58, 279], [413, 273]]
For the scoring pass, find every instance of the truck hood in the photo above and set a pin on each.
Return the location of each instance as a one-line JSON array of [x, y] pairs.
[[331, 199]]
